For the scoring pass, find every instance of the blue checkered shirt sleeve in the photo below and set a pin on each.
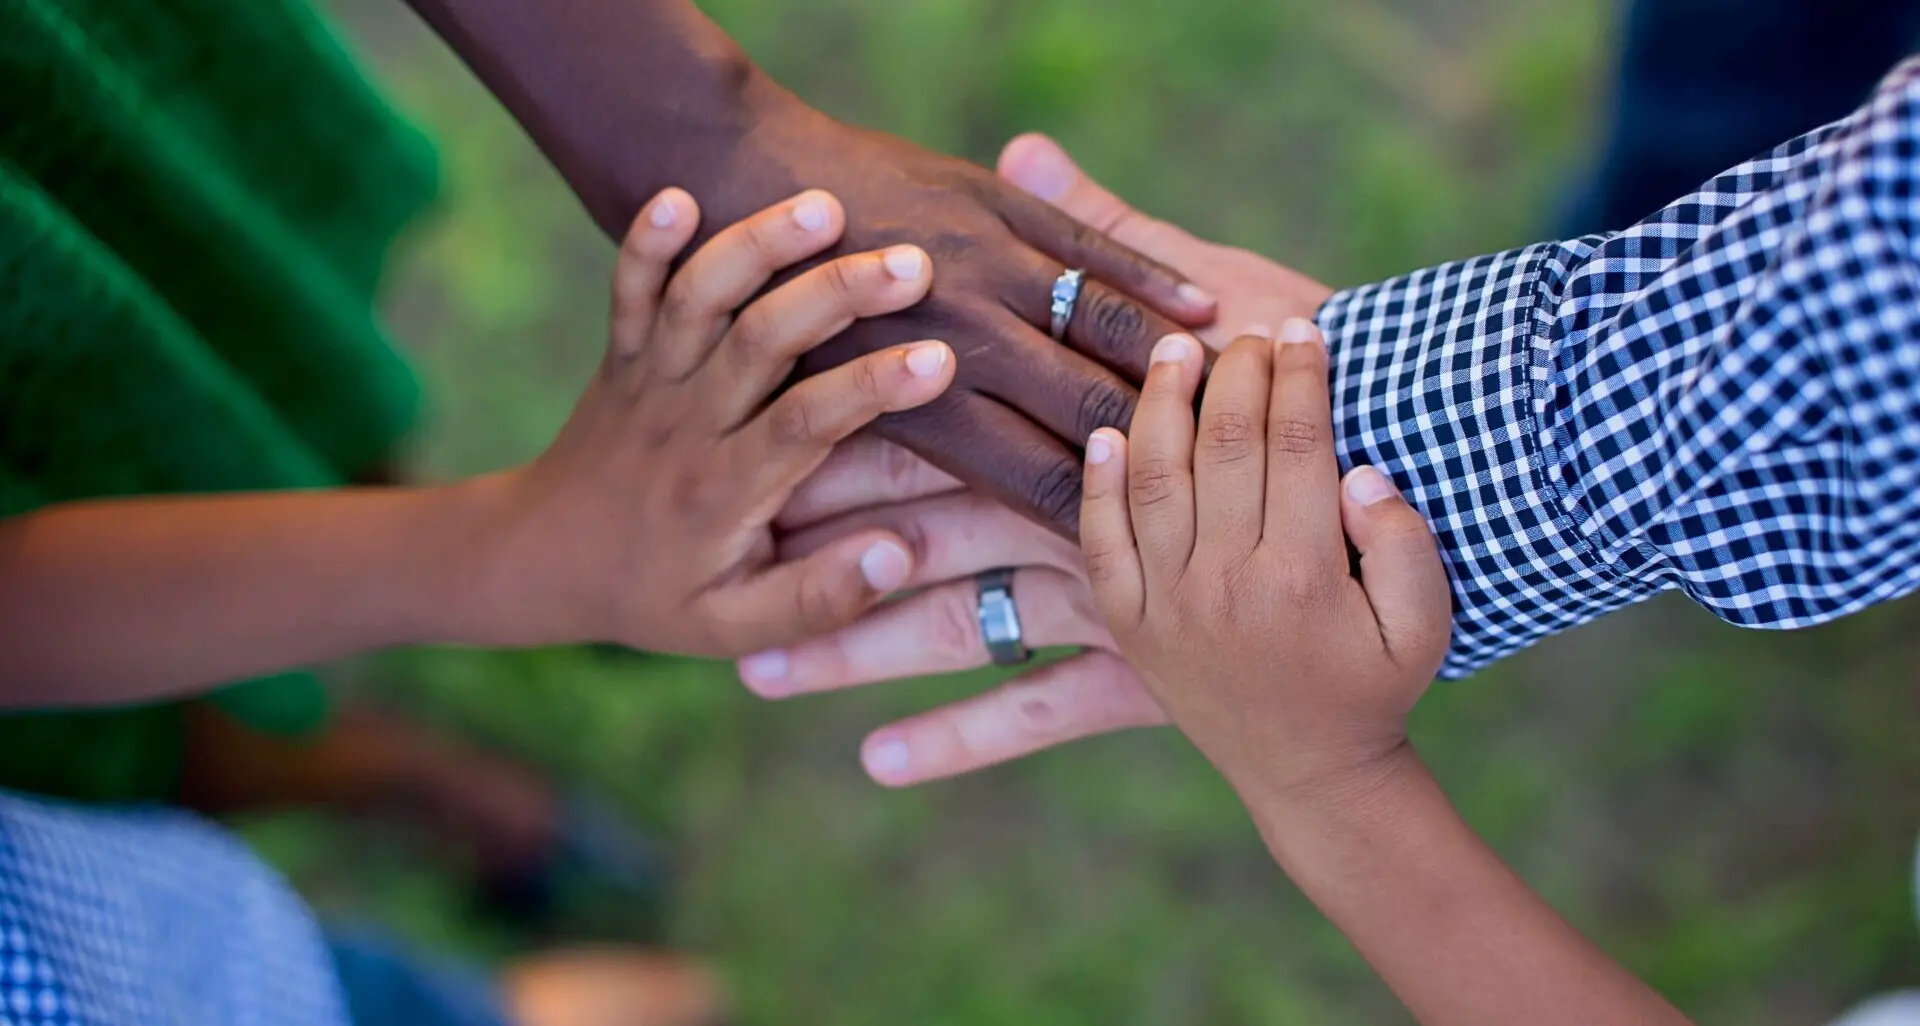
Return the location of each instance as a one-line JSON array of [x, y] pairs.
[[1724, 399]]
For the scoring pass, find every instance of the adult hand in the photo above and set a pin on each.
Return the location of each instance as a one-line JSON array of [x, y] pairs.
[[956, 536], [1255, 294], [632, 97], [1022, 406], [871, 485]]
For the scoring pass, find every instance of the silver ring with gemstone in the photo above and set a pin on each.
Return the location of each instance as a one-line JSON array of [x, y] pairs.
[[1000, 619], [1066, 296]]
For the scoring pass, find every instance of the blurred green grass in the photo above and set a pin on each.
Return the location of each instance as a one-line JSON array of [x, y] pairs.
[[1731, 813]]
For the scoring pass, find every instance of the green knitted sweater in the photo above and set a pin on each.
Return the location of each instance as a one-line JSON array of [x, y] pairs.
[[196, 200]]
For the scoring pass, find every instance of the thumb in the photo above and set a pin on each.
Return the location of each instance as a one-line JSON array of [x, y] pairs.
[[1040, 166], [1399, 567], [818, 594]]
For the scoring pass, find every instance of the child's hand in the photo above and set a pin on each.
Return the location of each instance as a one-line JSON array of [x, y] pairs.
[[647, 522], [1220, 564]]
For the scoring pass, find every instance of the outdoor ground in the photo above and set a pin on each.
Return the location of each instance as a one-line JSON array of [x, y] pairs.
[[1732, 813]]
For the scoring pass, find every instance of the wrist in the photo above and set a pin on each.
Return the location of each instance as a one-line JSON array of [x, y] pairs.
[[460, 586], [1353, 795]]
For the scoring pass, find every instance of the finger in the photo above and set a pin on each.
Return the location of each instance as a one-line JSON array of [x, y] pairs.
[[1399, 568], [1043, 168], [1107, 325], [1013, 459], [865, 470], [1303, 511], [808, 597], [1160, 461], [734, 266], [759, 350], [1106, 531], [1067, 393], [950, 536], [1229, 460], [935, 631], [660, 231], [1095, 693], [1078, 244], [788, 441]]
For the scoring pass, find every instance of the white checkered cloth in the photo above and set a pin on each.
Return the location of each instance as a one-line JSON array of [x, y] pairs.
[[1724, 399], [151, 918]]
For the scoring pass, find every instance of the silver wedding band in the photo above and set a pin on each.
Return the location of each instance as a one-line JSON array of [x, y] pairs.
[[1000, 619], [1066, 296]]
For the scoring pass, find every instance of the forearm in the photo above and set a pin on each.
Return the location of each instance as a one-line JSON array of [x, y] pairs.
[[625, 97], [1450, 928], [139, 599]]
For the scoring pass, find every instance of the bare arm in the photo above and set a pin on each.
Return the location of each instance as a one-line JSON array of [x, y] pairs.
[[1448, 926], [630, 96], [138, 599], [1218, 553], [645, 523]]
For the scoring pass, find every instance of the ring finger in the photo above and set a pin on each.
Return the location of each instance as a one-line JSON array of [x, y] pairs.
[[936, 631]]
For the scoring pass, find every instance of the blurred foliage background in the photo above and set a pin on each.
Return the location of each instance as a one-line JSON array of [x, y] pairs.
[[1731, 813]]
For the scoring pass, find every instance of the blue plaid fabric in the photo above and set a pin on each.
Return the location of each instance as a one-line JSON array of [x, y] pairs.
[[1723, 399], [149, 918]]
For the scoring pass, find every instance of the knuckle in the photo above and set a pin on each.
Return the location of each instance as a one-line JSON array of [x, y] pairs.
[[955, 627], [1115, 322], [792, 421], [634, 255], [1223, 601], [750, 339], [900, 470], [1103, 561], [841, 282], [1410, 539], [681, 303], [1152, 481], [1054, 493], [761, 240], [1038, 715], [820, 604], [921, 539], [1295, 436], [1229, 436], [1105, 405], [698, 496], [870, 384], [1305, 588]]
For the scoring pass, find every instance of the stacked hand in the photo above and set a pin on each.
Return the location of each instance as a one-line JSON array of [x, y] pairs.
[[1021, 405], [958, 534]]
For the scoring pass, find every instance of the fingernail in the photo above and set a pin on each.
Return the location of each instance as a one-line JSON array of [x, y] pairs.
[[1172, 349], [904, 262], [1257, 331], [1367, 486], [764, 670], [662, 214], [1099, 450], [1194, 296], [926, 360], [887, 760], [884, 566], [811, 214], [1299, 329], [1047, 173]]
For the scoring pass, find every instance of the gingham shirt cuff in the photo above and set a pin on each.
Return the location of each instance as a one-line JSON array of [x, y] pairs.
[[1434, 382], [1724, 399]]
